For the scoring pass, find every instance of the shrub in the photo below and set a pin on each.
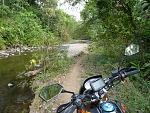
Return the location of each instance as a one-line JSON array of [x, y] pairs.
[[2, 43]]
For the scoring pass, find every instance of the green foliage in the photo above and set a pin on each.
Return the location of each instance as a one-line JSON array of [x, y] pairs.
[[28, 23], [55, 68], [112, 25], [143, 77], [142, 10], [22, 33], [137, 65], [2, 43], [24, 111], [130, 96], [5, 11], [49, 3], [129, 93]]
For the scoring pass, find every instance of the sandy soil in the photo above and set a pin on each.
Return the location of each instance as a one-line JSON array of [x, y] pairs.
[[72, 81]]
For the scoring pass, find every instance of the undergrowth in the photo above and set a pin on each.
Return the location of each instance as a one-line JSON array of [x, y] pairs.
[[50, 76], [63, 65]]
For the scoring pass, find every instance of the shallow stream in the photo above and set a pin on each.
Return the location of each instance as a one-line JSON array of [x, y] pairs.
[[14, 99]]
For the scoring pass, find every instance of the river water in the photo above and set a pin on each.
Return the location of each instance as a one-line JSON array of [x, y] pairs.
[[14, 99]]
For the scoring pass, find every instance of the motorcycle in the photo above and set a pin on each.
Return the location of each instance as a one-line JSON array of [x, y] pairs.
[[92, 94]]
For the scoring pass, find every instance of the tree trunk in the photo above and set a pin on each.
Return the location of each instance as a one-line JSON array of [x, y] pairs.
[[3, 2]]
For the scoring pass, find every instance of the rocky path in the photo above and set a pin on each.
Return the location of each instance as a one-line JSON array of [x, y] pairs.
[[75, 49]]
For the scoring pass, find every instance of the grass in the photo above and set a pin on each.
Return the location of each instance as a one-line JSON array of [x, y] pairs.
[[133, 100], [48, 77], [56, 69]]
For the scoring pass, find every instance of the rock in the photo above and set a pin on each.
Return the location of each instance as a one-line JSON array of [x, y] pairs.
[[5, 54], [11, 54], [37, 66], [15, 51], [10, 85]]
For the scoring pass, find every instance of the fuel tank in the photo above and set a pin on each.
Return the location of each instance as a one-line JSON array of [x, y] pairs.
[[107, 107]]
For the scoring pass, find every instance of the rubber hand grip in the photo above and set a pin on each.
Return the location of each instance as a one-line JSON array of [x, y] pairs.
[[71, 110], [133, 71]]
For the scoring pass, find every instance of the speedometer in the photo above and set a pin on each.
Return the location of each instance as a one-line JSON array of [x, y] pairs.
[[97, 84], [87, 83]]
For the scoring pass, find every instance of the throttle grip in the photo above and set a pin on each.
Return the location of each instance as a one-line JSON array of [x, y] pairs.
[[131, 71]]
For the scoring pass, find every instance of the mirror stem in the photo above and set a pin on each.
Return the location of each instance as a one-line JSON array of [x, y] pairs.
[[65, 91], [120, 64]]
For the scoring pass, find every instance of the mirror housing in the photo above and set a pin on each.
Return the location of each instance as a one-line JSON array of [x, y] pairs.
[[49, 92], [131, 50]]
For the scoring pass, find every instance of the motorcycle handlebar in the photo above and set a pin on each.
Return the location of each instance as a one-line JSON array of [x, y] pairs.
[[123, 73], [71, 109], [131, 72]]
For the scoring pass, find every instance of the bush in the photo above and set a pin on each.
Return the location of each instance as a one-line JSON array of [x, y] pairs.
[[130, 94], [2, 43], [5, 11]]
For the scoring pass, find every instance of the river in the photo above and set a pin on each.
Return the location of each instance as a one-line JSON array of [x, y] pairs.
[[14, 99]]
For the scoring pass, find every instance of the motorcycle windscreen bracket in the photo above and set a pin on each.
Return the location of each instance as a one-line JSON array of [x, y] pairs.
[[97, 84]]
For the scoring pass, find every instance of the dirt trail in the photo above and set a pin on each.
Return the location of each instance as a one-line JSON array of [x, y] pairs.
[[72, 81]]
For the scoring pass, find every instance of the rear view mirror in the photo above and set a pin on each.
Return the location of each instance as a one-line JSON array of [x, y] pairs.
[[49, 92], [131, 49]]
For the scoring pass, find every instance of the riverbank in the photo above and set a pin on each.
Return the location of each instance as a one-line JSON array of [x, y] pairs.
[[70, 81], [16, 51], [73, 50]]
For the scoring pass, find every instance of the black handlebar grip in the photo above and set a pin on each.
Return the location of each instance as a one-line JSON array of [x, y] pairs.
[[133, 71], [71, 110]]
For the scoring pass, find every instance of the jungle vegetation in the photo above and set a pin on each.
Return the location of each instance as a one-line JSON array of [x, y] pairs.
[[28, 22], [37, 23], [111, 25]]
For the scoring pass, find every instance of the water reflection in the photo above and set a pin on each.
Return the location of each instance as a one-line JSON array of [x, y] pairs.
[[13, 99], [49, 92]]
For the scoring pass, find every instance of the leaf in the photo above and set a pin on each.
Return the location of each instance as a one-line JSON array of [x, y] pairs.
[[147, 64]]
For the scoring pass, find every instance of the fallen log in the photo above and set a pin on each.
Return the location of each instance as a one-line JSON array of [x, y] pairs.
[[33, 73]]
